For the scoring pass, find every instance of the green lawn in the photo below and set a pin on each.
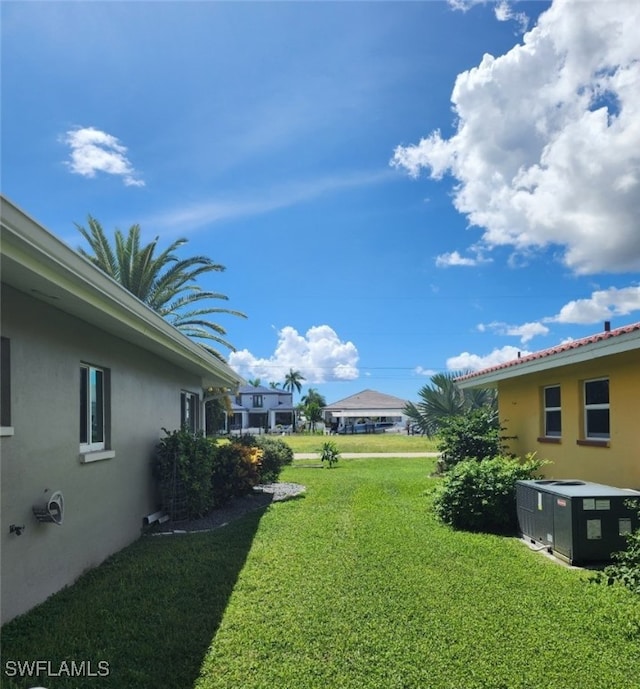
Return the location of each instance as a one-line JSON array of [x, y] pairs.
[[352, 586], [377, 442]]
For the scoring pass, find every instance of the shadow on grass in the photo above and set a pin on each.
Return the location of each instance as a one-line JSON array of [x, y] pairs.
[[150, 612]]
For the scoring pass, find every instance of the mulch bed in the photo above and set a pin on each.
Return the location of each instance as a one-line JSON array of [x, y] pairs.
[[262, 496]]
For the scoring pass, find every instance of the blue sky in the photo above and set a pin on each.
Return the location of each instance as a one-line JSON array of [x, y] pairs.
[[395, 188]]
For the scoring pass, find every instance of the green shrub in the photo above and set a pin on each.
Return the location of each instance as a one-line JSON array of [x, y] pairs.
[[276, 454], [236, 469], [183, 467], [196, 474], [473, 435], [625, 568], [329, 453], [481, 496]]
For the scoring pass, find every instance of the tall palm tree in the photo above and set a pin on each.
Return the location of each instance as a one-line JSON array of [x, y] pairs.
[[293, 380], [255, 382], [164, 282], [443, 399]]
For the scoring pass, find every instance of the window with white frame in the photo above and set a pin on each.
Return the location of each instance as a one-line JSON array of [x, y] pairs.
[[257, 400], [552, 412], [189, 407], [5, 384], [596, 409], [93, 408]]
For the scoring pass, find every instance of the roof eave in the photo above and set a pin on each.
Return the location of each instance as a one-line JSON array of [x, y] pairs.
[[596, 350], [38, 263]]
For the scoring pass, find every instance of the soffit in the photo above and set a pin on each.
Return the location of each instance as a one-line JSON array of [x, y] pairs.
[[37, 263]]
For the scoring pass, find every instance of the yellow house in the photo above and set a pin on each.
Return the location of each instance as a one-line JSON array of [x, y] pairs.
[[577, 404]]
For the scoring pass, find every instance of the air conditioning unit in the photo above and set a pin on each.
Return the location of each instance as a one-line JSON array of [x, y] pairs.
[[578, 521]]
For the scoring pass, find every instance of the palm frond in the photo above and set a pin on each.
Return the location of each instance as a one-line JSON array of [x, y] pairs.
[[442, 399], [103, 256], [163, 281], [187, 322]]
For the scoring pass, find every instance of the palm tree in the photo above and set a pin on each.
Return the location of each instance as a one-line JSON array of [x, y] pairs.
[[162, 281], [443, 399], [311, 406], [293, 380], [255, 382], [314, 396]]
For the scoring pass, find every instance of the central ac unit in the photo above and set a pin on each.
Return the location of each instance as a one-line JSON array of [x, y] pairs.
[[576, 520]]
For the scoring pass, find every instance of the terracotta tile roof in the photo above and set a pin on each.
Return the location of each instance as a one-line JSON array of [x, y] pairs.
[[558, 349]]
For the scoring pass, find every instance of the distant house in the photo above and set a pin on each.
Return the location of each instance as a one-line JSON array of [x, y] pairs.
[[257, 408], [575, 404], [90, 376], [360, 411]]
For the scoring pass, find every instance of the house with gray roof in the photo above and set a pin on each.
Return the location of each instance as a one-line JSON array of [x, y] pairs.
[[365, 411], [90, 377]]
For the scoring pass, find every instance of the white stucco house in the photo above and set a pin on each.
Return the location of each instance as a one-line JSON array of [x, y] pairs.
[[256, 408], [90, 376], [366, 411]]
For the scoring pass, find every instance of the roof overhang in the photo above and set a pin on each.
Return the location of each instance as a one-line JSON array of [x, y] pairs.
[[341, 413], [607, 346], [37, 263]]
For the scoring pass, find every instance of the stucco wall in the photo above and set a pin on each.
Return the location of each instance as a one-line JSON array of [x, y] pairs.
[[105, 501], [617, 463]]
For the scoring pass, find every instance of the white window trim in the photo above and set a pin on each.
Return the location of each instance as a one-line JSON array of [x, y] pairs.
[[548, 409], [6, 430], [594, 407], [88, 457], [90, 448]]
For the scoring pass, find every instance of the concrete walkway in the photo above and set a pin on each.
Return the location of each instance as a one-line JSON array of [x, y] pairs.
[[356, 455]]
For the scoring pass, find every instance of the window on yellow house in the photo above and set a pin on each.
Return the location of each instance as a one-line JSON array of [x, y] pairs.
[[596, 409], [552, 412]]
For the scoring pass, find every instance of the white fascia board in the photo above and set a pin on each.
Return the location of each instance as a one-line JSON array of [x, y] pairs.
[[363, 412], [38, 263], [587, 352]]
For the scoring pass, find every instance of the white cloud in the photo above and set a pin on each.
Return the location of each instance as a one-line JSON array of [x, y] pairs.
[[475, 362], [319, 355], [456, 259], [602, 305], [547, 140], [95, 151], [428, 372], [526, 331], [504, 12]]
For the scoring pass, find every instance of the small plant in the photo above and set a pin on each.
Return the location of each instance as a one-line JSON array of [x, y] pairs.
[[481, 496], [329, 453]]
